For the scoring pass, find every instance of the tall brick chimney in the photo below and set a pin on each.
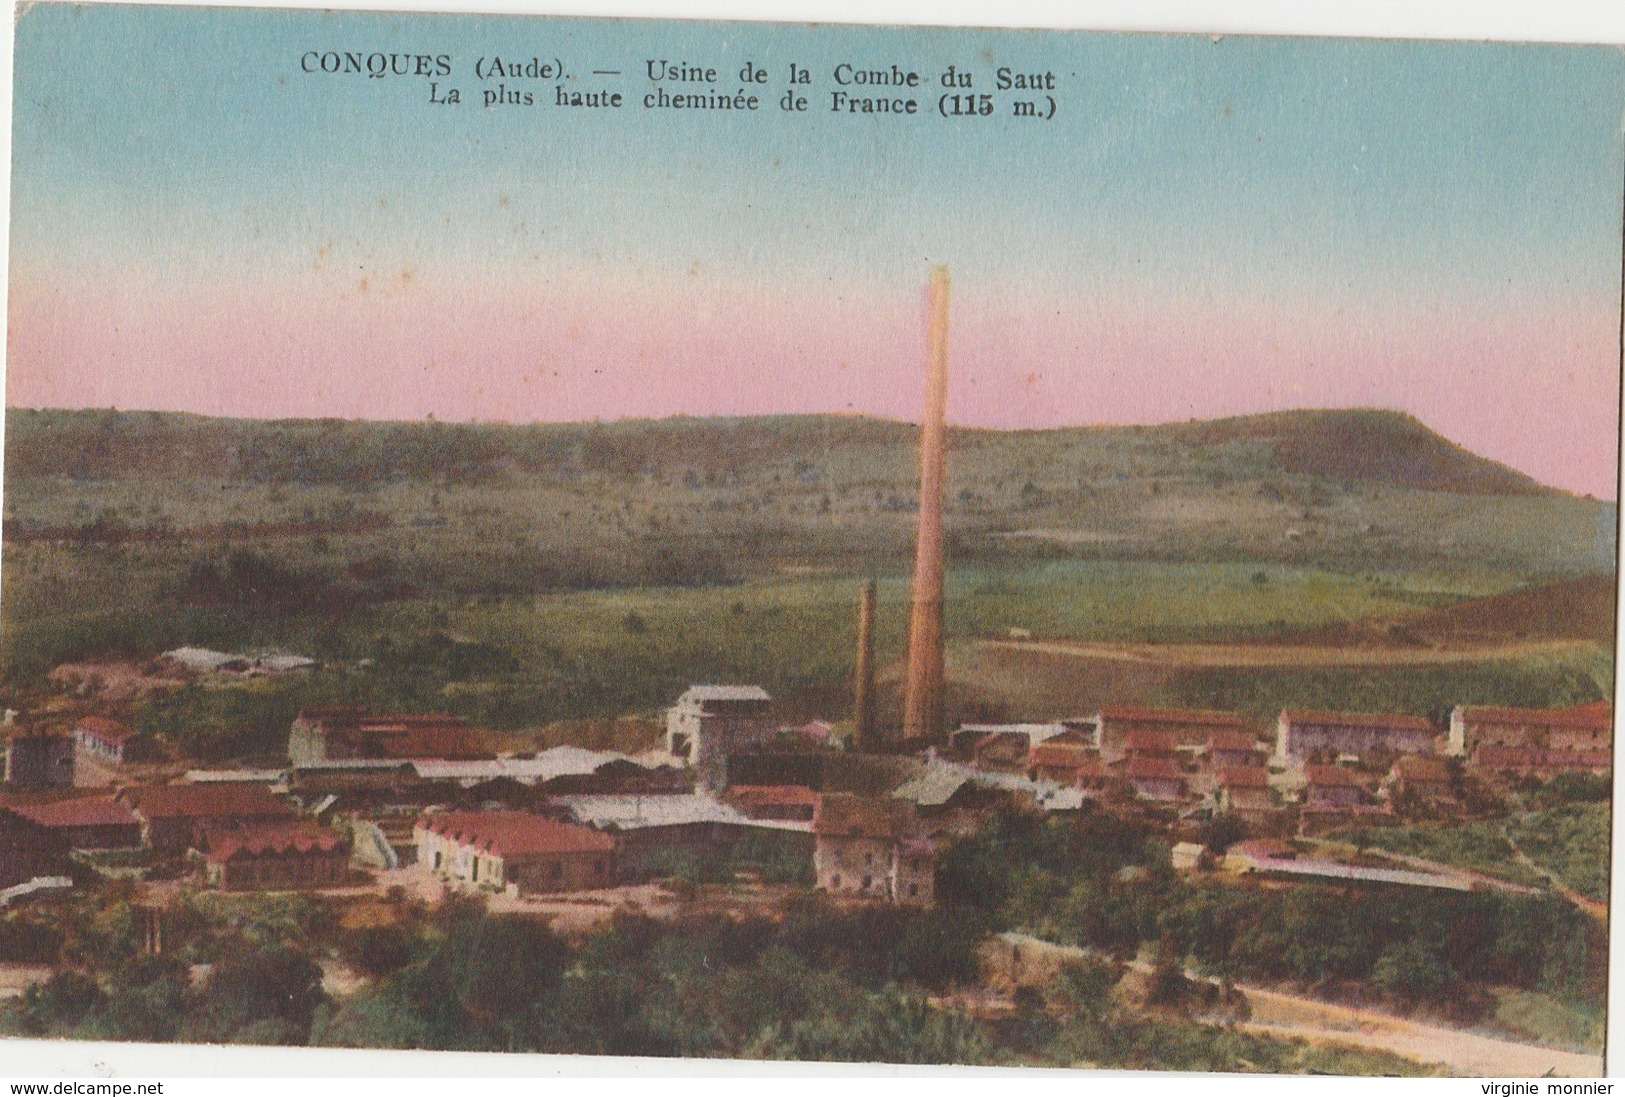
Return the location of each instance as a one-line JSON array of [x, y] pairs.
[[863, 709], [923, 702]]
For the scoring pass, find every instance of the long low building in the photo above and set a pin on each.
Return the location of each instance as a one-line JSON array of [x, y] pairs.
[[669, 819], [1308, 736], [1579, 728], [87, 822], [276, 856], [514, 851]]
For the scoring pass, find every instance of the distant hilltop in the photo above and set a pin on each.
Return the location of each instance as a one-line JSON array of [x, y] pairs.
[[706, 500], [1357, 444]]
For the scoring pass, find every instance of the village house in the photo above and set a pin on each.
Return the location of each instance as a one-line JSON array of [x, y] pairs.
[[347, 732], [1335, 795], [39, 760], [708, 723], [1307, 736], [1155, 777], [1150, 744], [282, 856], [514, 851], [1244, 791], [87, 822], [872, 848], [1232, 750], [1540, 764], [1187, 728], [174, 818], [28, 851], [108, 740], [1579, 728], [1422, 778], [1333, 788], [1073, 764]]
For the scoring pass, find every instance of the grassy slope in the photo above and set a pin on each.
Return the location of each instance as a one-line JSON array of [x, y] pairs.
[[1570, 841], [1478, 846], [587, 570]]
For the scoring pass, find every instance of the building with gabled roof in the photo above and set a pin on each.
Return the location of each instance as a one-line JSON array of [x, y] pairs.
[[1423, 777], [1333, 795], [710, 722], [1244, 791], [1587, 727], [1311, 736], [29, 851], [109, 740], [175, 817], [514, 851], [1066, 764], [1188, 728], [1541, 764], [348, 732], [1155, 777], [283, 855], [1232, 750], [87, 822], [873, 848]]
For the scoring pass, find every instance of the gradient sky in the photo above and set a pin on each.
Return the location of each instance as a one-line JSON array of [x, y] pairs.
[[1208, 227]]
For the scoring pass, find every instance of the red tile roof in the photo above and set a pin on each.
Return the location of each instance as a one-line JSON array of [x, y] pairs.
[[107, 730], [514, 833], [1332, 775], [91, 811], [1064, 754], [1397, 721], [848, 816], [775, 794], [271, 839], [352, 731], [1421, 767], [1496, 757], [1132, 713], [1147, 768], [1149, 742], [200, 801], [1597, 716], [1231, 740], [1245, 777]]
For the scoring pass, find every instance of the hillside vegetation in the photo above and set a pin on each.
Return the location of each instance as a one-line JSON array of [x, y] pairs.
[[521, 575]]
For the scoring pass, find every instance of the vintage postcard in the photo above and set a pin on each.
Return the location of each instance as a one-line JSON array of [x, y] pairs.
[[810, 542]]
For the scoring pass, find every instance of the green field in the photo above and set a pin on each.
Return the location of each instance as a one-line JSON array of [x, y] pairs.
[[1571, 841]]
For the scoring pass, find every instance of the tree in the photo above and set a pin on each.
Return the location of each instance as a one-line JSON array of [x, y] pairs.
[[1412, 972]]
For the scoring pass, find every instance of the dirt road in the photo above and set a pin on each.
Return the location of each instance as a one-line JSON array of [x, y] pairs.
[[1293, 1016], [1290, 655]]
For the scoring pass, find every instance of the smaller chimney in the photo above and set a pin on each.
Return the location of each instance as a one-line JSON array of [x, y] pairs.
[[863, 709]]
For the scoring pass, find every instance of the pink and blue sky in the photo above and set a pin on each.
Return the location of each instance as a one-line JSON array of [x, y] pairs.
[[1206, 228]]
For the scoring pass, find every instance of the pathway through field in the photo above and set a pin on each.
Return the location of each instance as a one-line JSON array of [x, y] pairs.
[[1291, 655]]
